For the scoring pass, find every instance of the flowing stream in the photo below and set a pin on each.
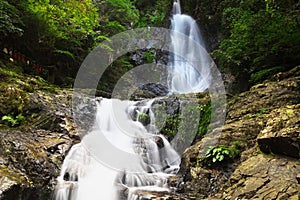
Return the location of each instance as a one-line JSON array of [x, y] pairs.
[[121, 157]]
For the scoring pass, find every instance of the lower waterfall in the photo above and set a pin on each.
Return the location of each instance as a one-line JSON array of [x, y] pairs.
[[118, 157]]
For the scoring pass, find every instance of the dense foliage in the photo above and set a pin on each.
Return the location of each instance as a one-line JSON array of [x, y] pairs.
[[10, 22], [262, 37], [59, 33], [256, 38], [55, 33]]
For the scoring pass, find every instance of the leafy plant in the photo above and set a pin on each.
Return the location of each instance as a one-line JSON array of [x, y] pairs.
[[264, 74], [13, 121], [219, 154], [205, 119], [149, 56]]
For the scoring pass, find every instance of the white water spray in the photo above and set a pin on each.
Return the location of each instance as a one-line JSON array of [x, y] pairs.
[[189, 72], [85, 175], [121, 157]]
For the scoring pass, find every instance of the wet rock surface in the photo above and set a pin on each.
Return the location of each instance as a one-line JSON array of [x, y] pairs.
[[30, 161], [148, 195]]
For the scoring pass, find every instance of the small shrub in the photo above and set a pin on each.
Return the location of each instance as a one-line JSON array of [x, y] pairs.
[[149, 56], [219, 154]]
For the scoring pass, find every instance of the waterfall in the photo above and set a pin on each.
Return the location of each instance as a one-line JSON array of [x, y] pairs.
[[188, 69], [123, 155], [141, 164]]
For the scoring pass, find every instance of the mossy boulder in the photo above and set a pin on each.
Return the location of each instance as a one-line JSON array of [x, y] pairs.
[[32, 152]]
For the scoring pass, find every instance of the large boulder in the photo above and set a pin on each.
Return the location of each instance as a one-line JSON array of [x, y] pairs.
[[281, 134]]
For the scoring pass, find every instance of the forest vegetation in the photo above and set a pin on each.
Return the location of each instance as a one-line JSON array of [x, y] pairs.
[[249, 39]]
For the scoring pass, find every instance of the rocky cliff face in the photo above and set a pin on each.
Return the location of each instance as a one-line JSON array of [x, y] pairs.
[[264, 122]]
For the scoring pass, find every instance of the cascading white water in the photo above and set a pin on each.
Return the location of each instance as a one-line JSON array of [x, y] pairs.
[[99, 167], [188, 69], [85, 176]]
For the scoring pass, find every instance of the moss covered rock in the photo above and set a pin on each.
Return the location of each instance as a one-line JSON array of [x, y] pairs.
[[32, 151]]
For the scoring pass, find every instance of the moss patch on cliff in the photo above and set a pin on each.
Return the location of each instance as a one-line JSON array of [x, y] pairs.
[[15, 88]]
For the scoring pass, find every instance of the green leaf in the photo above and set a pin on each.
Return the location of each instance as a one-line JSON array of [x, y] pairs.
[[221, 158], [226, 152], [20, 118], [215, 150]]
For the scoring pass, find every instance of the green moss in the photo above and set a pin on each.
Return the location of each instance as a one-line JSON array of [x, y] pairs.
[[167, 124], [143, 118], [191, 122], [11, 75], [205, 119], [15, 88], [13, 176]]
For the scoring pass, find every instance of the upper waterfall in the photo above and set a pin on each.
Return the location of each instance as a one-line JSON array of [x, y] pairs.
[[176, 7], [188, 67]]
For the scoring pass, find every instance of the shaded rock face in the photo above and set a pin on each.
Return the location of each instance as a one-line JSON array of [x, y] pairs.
[[55, 112], [282, 132], [155, 89], [149, 91], [264, 119], [48, 111], [209, 18]]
